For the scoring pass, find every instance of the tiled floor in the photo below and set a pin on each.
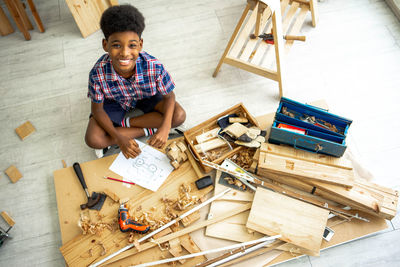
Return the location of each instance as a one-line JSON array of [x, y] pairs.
[[351, 59]]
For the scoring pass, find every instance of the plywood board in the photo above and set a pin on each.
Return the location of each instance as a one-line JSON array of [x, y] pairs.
[[273, 214], [25, 130], [305, 170]]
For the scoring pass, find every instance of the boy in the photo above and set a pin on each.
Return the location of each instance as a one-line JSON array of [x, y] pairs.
[[126, 78]]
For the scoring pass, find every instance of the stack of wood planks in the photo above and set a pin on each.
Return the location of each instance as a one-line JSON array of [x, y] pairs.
[[328, 177]]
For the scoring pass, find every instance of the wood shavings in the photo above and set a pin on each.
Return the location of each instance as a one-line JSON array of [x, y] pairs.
[[235, 182], [103, 249], [244, 158], [97, 228]]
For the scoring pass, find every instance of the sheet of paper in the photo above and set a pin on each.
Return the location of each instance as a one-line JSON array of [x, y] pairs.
[[149, 169]]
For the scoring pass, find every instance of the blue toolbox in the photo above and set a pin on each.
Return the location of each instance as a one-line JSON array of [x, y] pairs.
[[309, 128]]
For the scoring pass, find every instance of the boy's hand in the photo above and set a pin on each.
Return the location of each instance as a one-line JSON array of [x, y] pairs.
[[159, 139], [128, 147]]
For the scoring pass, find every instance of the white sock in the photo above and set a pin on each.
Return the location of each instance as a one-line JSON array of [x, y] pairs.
[[149, 131]]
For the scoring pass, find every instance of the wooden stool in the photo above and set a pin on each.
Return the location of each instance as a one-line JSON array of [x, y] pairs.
[[247, 51], [17, 11]]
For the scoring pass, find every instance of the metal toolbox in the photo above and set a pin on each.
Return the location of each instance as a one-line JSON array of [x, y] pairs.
[[309, 128]]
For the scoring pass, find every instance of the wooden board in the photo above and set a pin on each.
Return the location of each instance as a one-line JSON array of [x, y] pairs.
[[344, 233], [299, 223], [233, 228], [304, 170], [70, 195], [291, 152], [25, 130], [87, 14], [13, 173]]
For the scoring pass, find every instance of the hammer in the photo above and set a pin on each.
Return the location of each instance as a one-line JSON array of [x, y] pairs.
[[95, 201], [269, 37]]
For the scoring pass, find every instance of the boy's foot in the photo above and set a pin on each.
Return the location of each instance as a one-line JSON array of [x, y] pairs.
[[178, 130], [101, 152]]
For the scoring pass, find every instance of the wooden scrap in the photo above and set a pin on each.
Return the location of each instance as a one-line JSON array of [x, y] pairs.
[[191, 218], [111, 195], [188, 244], [7, 218], [201, 138], [209, 145], [13, 173], [25, 130], [164, 232], [181, 146], [238, 119], [299, 223], [176, 249], [236, 130]]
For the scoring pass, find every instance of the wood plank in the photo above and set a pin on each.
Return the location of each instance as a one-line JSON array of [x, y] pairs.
[[258, 56], [252, 43], [233, 228], [273, 213], [305, 170], [291, 152], [297, 26], [265, 72], [244, 35]]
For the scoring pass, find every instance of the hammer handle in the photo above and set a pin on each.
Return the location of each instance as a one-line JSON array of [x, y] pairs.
[[294, 37], [78, 171]]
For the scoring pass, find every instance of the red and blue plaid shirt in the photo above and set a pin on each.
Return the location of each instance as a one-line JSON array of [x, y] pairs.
[[149, 79]]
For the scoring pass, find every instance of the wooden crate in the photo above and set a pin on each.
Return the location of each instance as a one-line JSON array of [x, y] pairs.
[[190, 135]]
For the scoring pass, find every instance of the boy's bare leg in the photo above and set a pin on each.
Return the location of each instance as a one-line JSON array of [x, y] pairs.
[[154, 119], [97, 138]]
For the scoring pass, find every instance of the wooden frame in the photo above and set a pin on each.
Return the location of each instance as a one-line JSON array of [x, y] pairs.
[[255, 55]]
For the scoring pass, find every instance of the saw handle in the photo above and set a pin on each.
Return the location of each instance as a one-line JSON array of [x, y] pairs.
[[78, 171], [295, 37]]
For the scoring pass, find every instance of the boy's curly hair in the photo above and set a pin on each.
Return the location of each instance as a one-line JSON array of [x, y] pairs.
[[121, 18]]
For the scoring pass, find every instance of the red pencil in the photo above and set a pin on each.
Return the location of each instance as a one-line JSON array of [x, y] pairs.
[[118, 180]]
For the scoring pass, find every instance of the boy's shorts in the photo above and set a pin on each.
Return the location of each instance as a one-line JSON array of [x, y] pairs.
[[117, 114]]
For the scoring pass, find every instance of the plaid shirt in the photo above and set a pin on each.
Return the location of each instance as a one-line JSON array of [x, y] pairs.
[[149, 79]]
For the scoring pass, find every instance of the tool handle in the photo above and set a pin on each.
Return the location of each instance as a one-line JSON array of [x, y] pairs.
[[78, 171], [294, 37]]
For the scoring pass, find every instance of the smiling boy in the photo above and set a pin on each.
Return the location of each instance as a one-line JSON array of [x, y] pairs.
[[127, 78]]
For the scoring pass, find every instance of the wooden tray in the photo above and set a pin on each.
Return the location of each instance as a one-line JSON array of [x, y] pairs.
[[190, 135]]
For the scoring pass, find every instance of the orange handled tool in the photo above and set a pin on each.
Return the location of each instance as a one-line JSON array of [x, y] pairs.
[[127, 224]]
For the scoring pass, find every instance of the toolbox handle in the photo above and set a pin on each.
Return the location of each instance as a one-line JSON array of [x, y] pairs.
[[318, 147], [323, 109]]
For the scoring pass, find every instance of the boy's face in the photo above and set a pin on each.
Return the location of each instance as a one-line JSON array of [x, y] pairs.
[[123, 48]]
